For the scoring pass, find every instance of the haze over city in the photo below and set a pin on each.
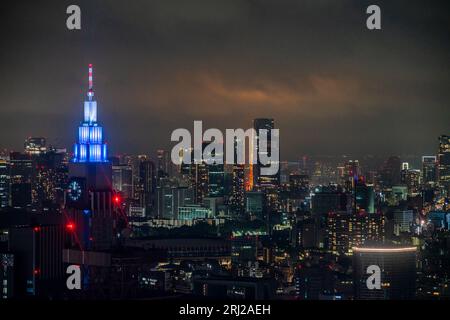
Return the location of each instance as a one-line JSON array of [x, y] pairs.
[[332, 86]]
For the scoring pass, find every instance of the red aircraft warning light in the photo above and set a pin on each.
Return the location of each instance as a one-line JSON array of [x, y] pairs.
[[70, 226], [117, 200]]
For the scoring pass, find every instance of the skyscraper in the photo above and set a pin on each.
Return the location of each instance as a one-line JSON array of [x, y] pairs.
[[364, 197], [238, 189], [200, 181], [444, 162], [352, 172], [164, 165], [4, 183], [391, 172], [199, 178], [269, 184], [123, 180], [429, 170], [147, 175], [90, 147], [35, 146], [170, 198], [89, 197], [49, 179], [258, 179], [21, 178], [216, 178], [413, 181], [298, 186], [238, 184]]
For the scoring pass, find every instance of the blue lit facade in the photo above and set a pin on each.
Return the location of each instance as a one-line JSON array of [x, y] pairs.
[[90, 146]]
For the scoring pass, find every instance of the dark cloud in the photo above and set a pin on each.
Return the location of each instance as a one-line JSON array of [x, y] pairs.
[[331, 85]]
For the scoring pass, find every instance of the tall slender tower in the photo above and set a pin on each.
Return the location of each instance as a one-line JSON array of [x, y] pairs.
[[90, 146], [90, 157], [444, 163], [89, 196]]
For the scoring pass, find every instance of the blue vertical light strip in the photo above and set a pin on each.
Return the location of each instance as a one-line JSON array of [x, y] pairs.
[[104, 152], [90, 146], [75, 151]]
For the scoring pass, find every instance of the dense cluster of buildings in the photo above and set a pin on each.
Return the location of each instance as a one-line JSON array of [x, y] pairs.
[[140, 226]]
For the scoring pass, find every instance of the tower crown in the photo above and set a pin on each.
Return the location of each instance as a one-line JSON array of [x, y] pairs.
[[90, 146]]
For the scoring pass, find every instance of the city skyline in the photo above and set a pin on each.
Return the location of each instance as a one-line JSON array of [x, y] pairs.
[[240, 151], [228, 64]]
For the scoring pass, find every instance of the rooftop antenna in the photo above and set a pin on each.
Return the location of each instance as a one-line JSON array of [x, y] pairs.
[[91, 83]]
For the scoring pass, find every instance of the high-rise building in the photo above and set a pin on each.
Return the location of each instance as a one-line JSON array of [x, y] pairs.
[[4, 183], [429, 170], [345, 230], [122, 180], [164, 166], [303, 165], [165, 202], [21, 167], [92, 211], [391, 172], [338, 232], [413, 181], [255, 203], [216, 177], [364, 197], [404, 221], [238, 189], [298, 186], [444, 162], [134, 163], [352, 171], [308, 234], [35, 146], [49, 179], [170, 198], [238, 185], [90, 147], [6, 275], [397, 266], [37, 265], [328, 199], [199, 179], [404, 172], [147, 175], [216, 180], [260, 180]]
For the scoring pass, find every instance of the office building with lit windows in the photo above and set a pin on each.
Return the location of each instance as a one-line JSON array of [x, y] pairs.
[[35, 146], [429, 169], [397, 277], [122, 179], [89, 196], [21, 168], [269, 184], [193, 212], [444, 162], [238, 189], [4, 183]]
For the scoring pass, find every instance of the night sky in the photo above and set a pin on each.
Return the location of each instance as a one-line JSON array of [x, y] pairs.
[[332, 86]]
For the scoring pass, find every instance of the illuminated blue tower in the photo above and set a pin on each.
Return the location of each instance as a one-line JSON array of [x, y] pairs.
[[90, 146], [89, 197]]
